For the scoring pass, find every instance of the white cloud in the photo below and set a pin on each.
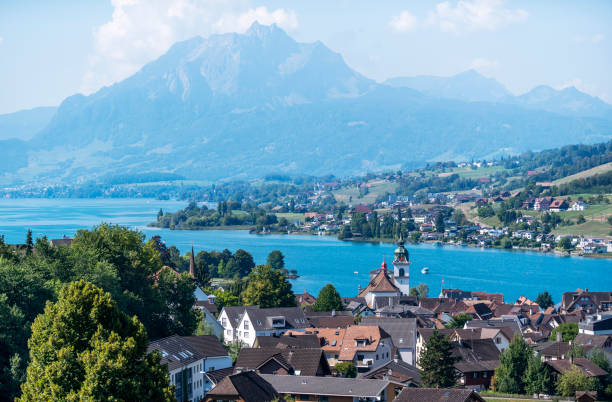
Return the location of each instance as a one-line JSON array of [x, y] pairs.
[[483, 65], [589, 38], [403, 22], [142, 30], [475, 15]]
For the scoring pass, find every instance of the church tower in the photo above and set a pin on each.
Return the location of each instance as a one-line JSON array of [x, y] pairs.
[[401, 265]]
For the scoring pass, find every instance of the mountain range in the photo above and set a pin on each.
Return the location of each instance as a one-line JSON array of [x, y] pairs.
[[244, 105]]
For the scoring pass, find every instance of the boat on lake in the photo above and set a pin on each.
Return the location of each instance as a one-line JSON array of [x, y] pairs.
[[425, 270]]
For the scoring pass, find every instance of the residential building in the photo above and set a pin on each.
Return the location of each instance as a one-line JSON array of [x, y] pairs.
[[292, 361], [209, 311], [590, 302], [396, 371], [561, 366], [188, 359], [438, 394], [558, 206], [305, 299], [402, 332], [596, 325], [423, 334], [337, 389], [246, 323], [478, 360], [287, 341], [247, 386], [578, 206], [552, 350], [501, 337]]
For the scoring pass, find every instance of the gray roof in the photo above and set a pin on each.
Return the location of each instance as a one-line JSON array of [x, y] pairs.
[[409, 394], [234, 313], [261, 318], [512, 324], [402, 330], [399, 371], [603, 324], [330, 386], [178, 351]]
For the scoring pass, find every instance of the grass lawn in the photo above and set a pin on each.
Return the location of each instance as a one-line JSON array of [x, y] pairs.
[[239, 212], [589, 228], [291, 216], [377, 188], [585, 173]]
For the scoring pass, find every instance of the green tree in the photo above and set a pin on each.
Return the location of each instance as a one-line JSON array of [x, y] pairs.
[[268, 287], [234, 348], [174, 312], [276, 260], [544, 300], [537, 377], [347, 369], [345, 232], [575, 380], [598, 357], [29, 242], [440, 223], [83, 348], [421, 291], [513, 364], [565, 243], [244, 262], [437, 362], [459, 320], [328, 299], [569, 331]]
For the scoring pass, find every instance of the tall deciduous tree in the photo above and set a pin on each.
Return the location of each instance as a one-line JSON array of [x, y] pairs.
[[267, 287], [459, 320], [328, 299], [437, 362], [537, 378], [569, 330], [421, 291], [575, 380], [514, 361], [83, 348]]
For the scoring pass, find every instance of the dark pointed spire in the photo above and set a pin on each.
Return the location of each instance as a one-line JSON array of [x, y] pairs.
[[192, 264]]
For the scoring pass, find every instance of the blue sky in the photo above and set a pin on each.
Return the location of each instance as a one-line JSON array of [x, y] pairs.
[[52, 49]]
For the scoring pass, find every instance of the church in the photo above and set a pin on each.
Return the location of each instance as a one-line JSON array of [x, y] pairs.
[[383, 285]]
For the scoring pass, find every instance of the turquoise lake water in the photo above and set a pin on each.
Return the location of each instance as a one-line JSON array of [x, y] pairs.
[[320, 260]]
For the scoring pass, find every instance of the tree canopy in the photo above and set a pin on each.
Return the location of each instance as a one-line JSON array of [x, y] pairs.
[[83, 347], [575, 380], [459, 320], [569, 330], [544, 300], [328, 299], [513, 365], [267, 287]]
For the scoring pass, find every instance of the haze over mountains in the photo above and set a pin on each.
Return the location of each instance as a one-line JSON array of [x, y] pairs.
[[244, 105]]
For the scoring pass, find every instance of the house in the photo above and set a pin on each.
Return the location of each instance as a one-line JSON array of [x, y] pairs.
[[501, 337], [578, 206], [558, 206], [305, 299], [330, 340], [603, 342], [292, 361], [586, 396], [596, 325], [402, 332], [478, 360], [247, 386], [333, 388], [331, 321], [357, 306], [480, 311], [542, 204], [64, 241], [396, 371], [245, 323], [363, 209], [438, 394], [590, 302], [561, 366], [188, 358], [552, 350], [513, 325]]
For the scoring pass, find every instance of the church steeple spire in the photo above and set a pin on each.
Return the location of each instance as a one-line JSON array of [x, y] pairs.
[[401, 265]]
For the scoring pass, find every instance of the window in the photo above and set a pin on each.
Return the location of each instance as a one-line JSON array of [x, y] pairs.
[[246, 324], [377, 357], [484, 375], [498, 340], [359, 357], [475, 374], [224, 322], [246, 334]]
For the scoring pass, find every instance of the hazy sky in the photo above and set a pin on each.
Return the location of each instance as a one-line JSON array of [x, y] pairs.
[[53, 49]]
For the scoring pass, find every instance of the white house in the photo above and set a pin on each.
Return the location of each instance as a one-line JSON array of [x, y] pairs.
[[578, 206], [188, 359], [245, 323]]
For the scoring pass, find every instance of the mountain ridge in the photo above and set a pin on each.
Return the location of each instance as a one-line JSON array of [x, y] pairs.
[[244, 105]]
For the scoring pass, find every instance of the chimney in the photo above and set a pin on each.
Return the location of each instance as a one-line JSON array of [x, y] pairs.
[[559, 336]]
